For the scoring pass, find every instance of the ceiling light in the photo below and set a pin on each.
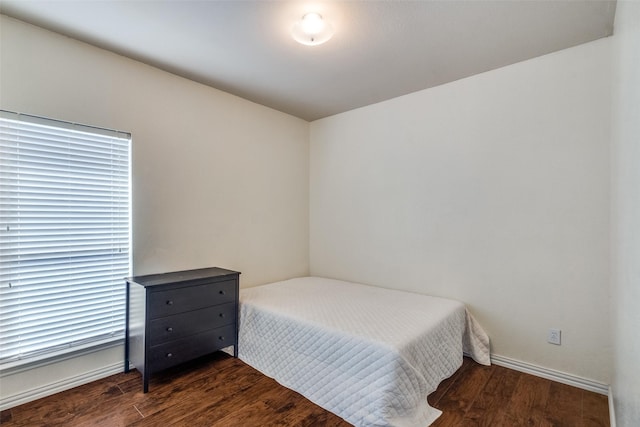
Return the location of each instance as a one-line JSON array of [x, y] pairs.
[[312, 30]]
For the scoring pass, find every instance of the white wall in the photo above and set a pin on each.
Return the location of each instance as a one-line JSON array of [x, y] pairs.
[[493, 190], [217, 180], [626, 215]]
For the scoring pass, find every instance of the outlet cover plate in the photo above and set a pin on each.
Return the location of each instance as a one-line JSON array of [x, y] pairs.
[[554, 336]]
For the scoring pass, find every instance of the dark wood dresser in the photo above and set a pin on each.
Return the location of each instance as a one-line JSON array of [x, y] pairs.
[[175, 317]]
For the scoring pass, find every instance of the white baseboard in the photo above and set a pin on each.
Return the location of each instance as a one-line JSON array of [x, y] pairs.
[[551, 374], [66, 384], [612, 412]]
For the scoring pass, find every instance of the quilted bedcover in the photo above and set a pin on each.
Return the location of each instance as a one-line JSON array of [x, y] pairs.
[[369, 355]]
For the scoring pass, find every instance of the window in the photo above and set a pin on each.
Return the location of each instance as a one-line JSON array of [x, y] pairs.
[[64, 236]]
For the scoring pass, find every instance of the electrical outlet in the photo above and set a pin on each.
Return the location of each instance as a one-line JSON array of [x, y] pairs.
[[553, 337]]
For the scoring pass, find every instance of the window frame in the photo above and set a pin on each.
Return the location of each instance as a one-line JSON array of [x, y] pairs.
[[81, 347]]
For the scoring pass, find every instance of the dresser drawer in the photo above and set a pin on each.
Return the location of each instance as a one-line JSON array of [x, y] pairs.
[[192, 322], [166, 303], [174, 352]]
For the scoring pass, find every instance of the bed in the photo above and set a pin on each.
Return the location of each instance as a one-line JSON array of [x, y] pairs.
[[369, 355]]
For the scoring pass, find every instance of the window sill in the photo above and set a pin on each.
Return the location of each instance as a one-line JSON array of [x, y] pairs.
[[18, 366]]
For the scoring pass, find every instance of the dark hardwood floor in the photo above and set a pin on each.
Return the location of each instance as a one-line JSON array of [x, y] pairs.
[[222, 391]]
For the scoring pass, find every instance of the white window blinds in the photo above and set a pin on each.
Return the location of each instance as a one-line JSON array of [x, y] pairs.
[[65, 239]]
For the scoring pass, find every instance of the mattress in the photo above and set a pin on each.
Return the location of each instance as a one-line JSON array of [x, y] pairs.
[[369, 355]]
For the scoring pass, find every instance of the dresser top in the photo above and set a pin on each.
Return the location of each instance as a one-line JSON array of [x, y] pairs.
[[181, 276]]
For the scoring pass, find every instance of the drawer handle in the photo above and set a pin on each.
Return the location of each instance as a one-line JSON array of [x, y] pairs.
[[221, 314], [221, 338], [169, 354], [169, 302], [169, 329], [221, 292]]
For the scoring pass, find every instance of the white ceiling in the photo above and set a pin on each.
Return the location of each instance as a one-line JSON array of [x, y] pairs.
[[380, 50]]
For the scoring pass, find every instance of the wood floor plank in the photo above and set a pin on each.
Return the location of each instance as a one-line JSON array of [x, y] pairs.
[[528, 403], [564, 407], [71, 407], [222, 388], [110, 414], [5, 416], [222, 391], [435, 397], [461, 394], [208, 400], [595, 409], [493, 399], [281, 408], [308, 414]]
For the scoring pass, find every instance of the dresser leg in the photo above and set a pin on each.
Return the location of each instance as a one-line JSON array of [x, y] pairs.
[[145, 383]]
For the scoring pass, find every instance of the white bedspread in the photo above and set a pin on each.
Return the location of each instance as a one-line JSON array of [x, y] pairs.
[[370, 355]]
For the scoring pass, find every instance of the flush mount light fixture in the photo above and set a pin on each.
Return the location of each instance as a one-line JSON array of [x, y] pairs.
[[312, 30]]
